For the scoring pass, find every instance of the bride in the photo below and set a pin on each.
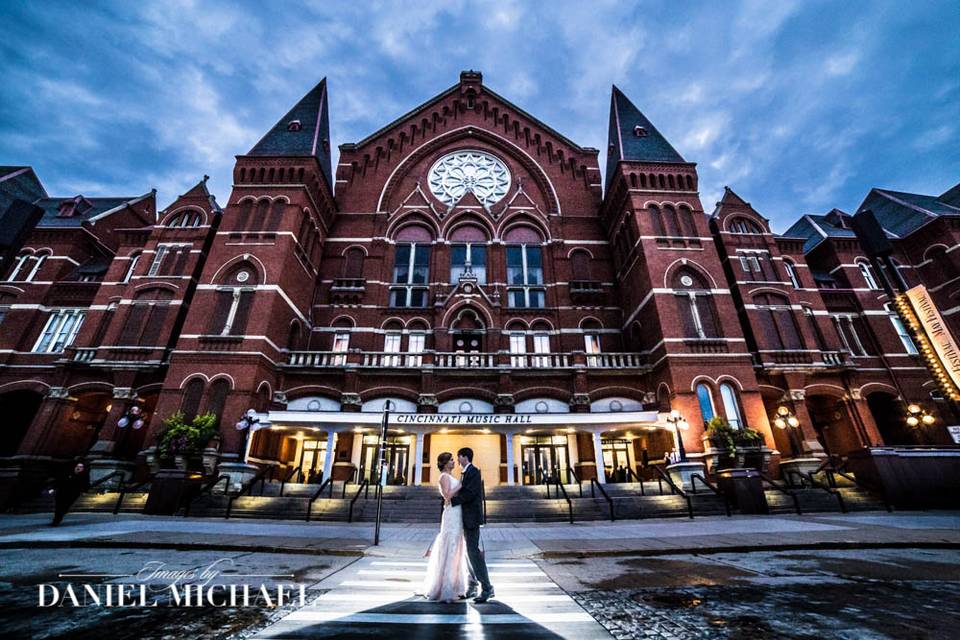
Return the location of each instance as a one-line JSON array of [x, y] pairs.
[[447, 570]]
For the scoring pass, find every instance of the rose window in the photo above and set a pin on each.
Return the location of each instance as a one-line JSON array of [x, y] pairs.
[[453, 175]]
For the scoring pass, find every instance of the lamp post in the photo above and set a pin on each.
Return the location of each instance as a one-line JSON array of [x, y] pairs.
[[134, 418], [679, 424], [918, 415], [785, 419], [246, 423]]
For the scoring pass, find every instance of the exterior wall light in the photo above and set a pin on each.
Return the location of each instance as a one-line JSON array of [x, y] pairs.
[[678, 423]]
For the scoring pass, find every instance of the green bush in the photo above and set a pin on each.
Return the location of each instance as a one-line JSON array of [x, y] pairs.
[[722, 434], [180, 438]]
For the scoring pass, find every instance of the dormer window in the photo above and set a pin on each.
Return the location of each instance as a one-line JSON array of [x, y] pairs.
[[294, 125], [74, 206], [639, 131]]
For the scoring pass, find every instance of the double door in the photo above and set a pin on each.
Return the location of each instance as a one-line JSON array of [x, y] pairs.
[[616, 460], [397, 455], [544, 462], [312, 455]]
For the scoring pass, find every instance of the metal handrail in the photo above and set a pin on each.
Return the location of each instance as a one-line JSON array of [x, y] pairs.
[[772, 483], [814, 483], [323, 485], [124, 490], [634, 474], [108, 477], [674, 489], [830, 468], [293, 471], [247, 487], [365, 484], [709, 485], [561, 488], [603, 492], [206, 489], [572, 472]]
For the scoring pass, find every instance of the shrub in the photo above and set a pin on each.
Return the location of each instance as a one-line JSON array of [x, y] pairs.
[[179, 438]]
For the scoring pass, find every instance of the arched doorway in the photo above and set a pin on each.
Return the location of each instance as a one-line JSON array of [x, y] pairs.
[[888, 413], [831, 420], [19, 409]]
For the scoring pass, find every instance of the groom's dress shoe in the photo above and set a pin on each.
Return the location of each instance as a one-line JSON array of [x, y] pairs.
[[484, 596], [471, 592]]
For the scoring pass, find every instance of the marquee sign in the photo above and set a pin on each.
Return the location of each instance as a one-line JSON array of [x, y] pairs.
[[935, 342], [459, 420]]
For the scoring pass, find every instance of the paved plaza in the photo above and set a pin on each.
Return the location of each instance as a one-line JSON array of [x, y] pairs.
[[867, 575]]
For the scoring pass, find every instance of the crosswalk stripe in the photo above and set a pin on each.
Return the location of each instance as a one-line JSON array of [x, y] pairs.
[[419, 574], [490, 565], [391, 596], [435, 618], [406, 584]]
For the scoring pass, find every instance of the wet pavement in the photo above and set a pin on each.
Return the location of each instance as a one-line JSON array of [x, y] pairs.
[[857, 594]]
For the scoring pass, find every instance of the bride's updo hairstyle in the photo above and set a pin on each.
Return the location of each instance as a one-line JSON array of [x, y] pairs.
[[443, 459]]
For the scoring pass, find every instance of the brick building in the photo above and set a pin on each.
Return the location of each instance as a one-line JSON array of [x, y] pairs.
[[465, 265]]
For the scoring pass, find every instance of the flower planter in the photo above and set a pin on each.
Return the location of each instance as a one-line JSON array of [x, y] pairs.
[[210, 458], [681, 473]]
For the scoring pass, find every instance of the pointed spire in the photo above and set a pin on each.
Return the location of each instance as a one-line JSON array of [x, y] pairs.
[[633, 137], [304, 131], [731, 197]]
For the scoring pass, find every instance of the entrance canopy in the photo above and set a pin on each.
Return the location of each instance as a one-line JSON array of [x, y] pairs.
[[494, 422]]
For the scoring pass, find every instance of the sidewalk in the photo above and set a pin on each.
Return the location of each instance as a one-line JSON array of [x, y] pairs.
[[635, 537]]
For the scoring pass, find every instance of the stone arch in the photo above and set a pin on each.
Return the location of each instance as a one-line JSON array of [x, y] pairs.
[[692, 265]]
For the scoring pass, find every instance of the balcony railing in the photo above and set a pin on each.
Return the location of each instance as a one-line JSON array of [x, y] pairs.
[[802, 359], [464, 360]]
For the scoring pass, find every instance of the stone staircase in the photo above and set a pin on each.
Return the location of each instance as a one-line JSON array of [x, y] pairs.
[[504, 504]]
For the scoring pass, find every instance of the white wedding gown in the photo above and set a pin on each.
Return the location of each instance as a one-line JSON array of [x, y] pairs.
[[447, 570]]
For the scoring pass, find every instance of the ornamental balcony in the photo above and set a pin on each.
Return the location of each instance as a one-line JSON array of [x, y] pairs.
[[586, 291], [347, 290], [776, 360], [116, 356], [497, 361]]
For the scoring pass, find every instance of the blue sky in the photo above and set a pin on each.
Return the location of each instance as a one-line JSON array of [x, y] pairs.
[[798, 106]]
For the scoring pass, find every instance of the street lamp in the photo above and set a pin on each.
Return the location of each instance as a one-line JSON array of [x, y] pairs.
[[917, 414], [678, 424], [786, 420], [247, 423], [133, 417]]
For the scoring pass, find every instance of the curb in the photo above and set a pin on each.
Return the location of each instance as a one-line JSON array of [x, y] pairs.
[[700, 551], [175, 546]]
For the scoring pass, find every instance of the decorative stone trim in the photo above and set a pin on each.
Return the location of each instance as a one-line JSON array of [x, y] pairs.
[[427, 400], [124, 393], [280, 397], [58, 393], [797, 394], [504, 400], [580, 400], [350, 399]]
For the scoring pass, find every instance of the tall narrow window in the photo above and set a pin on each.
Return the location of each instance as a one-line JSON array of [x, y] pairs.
[[192, 394], [341, 344], [705, 398], [416, 342], [591, 344], [901, 330], [694, 305], [161, 253], [791, 270], [525, 276], [353, 263], [18, 266], [518, 350], [541, 346], [580, 266], [731, 406], [411, 273], [60, 331], [391, 345], [815, 328], [867, 274], [38, 260], [131, 267], [234, 301], [472, 254]]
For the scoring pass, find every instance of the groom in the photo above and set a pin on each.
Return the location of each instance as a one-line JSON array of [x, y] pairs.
[[470, 498]]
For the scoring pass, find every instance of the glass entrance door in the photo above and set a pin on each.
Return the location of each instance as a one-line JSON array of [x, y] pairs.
[[616, 460], [397, 454], [312, 455], [545, 458]]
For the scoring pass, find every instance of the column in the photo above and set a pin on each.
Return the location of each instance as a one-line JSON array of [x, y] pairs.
[[509, 437], [328, 458], [418, 457], [598, 456]]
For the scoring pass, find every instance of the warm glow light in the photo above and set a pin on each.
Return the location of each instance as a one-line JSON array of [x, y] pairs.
[[912, 421], [780, 422], [928, 419], [793, 422], [674, 413], [782, 410], [914, 408]]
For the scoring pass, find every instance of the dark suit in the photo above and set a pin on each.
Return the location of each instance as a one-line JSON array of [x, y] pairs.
[[470, 499]]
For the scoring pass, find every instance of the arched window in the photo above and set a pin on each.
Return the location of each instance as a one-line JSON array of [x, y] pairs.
[[778, 327], [341, 343], [217, 398], [416, 343], [293, 336], [705, 398], [146, 318], [192, 394], [731, 405], [686, 221], [591, 342], [695, 305], [658, 228], [518, 345], [901, 330], [580, 266], [411, 267], [468, 250], [525, 268], [131, 267], [791, 270], [541, 345], [392, 338], [815, 328], [867, 272], [744, 225], [234, 300], [671, 221], [26, 266], [353, 263]]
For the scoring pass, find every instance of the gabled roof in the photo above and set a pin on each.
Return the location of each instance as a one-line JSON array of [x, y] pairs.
[[730, 197], [310, 137], [814, 229], [98, 206], [624, 143], [19, 183], [900, 213]]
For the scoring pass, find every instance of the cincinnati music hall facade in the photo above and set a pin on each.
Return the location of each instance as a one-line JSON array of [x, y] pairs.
[[470, 266]]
